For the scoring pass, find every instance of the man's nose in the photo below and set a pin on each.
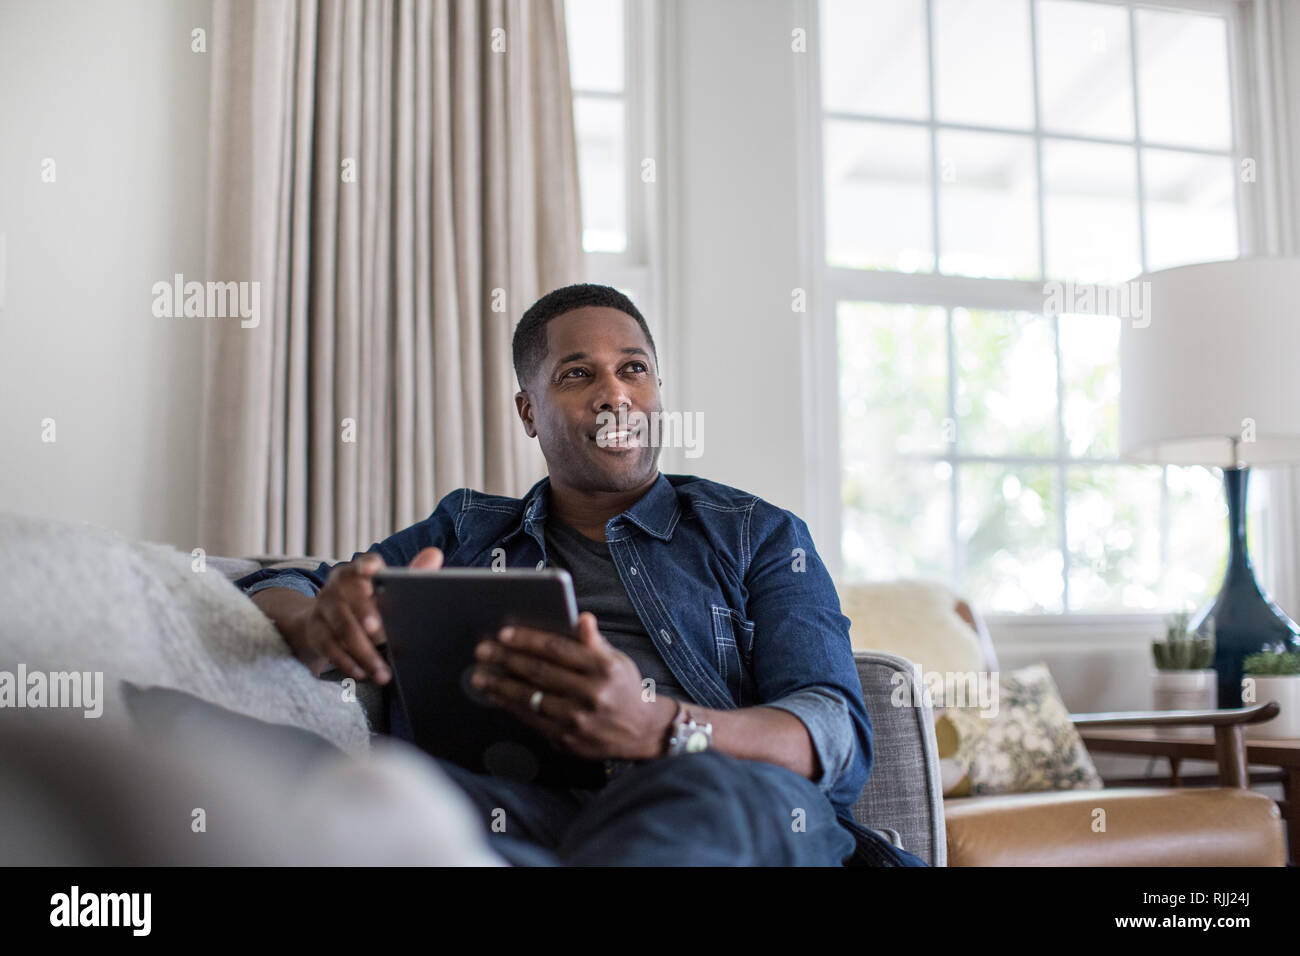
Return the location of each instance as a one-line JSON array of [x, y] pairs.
[[611, 393]]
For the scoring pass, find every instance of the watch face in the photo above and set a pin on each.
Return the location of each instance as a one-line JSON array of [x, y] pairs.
[[697, 741]]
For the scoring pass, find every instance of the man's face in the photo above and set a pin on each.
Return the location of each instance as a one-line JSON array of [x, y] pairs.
[[597, 359]]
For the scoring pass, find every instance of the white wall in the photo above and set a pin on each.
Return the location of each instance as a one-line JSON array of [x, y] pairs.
[[111, 93], [1291, 72], [734, 244]]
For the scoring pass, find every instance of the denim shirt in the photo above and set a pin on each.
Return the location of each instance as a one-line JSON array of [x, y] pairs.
[[728, 586]]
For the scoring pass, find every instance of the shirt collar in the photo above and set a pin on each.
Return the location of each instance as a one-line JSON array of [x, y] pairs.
[[656, 512]]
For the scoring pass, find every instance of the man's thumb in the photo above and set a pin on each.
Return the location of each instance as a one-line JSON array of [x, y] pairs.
[[429, 559], [588, 631]]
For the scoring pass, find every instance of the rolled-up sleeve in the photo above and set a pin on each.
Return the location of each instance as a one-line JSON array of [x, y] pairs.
[[826, 715], [439, 530], [802, 657], [292, 579]]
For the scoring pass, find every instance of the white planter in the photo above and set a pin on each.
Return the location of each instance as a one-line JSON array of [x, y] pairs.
[[1186, 690], [1286, 691]]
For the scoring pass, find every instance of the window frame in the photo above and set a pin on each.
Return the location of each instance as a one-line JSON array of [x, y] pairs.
[[647, 266], [638, 267], [828, 286]]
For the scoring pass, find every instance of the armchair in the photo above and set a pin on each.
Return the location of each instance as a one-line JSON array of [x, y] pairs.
[[1227, 825]]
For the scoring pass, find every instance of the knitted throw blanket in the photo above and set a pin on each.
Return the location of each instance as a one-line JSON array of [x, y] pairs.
[[78, 599]]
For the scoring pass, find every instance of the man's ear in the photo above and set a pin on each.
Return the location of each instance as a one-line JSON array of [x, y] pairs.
[[524, 406]]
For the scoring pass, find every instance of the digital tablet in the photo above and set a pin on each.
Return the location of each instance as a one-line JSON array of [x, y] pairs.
[[433, 621]]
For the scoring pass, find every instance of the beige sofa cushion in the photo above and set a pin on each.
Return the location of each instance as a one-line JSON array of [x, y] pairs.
[[915, 619]]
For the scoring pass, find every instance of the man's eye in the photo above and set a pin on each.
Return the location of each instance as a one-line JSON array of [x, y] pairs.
[[641, 366], [571, 371]]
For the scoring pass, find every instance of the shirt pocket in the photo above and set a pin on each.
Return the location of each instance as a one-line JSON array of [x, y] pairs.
[[733, 640]]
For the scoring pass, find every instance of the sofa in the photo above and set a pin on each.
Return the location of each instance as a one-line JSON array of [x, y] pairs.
[[902, 799], [214, 746], [153, 716], [225, 725]]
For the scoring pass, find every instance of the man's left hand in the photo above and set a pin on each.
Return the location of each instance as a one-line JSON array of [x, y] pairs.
[[592, 703]]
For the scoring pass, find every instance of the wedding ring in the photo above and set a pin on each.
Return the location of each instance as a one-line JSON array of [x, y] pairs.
[[535, 702]]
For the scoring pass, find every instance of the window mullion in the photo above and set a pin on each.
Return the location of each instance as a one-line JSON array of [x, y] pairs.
[[1062, 471], [958, 562], [1137, 135], [1061, 447], [934, 136], [633, 151], [1038, 139]]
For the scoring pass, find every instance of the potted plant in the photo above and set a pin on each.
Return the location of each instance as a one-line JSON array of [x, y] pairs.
[[1184, 679], [1273, 675]]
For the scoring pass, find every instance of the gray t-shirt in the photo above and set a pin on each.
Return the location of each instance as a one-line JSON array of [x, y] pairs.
[[598, 589]]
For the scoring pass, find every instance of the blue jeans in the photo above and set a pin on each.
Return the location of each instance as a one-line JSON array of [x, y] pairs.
[[704, 809]]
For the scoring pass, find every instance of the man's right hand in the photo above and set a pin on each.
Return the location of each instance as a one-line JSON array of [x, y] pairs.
[[341, 626]]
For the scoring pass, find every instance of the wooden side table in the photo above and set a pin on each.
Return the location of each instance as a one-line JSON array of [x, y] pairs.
[[1281, 752]]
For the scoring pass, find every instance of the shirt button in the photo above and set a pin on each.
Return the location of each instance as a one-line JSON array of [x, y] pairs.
[[634, 569], [540, 565], [665, 635]]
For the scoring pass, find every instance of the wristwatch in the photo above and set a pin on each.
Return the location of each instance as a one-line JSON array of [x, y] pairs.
[[686, 735]]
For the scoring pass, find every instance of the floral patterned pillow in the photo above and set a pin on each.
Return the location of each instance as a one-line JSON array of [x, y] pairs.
[[1026, 744]]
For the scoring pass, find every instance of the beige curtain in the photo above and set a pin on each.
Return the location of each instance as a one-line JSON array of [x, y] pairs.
[[400, 179]]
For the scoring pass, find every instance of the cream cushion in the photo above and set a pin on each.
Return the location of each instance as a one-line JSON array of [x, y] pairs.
[[916, 619], [1026, 744]]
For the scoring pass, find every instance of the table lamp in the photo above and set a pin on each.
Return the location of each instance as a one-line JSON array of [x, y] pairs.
[[1211, 376]]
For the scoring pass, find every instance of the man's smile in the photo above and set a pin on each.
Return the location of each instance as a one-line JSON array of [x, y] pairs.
[[615, 439], [616, 442]]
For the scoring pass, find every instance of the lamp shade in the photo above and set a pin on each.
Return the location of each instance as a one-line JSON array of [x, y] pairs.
[[1215, 358]]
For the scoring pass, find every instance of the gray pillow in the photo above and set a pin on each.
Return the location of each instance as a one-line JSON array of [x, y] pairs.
[[192, 723]]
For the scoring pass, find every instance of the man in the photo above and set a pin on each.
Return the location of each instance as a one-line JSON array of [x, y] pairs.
[[706, 615]]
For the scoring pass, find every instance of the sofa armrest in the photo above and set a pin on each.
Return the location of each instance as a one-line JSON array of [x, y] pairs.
[[372, 697], [904, 792]]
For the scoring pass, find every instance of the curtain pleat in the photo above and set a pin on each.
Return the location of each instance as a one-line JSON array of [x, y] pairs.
[[466, 200], [296, 236], [448, 446], [423, 317], [401, 191], [403, 284], [322, 307], [348, 343]]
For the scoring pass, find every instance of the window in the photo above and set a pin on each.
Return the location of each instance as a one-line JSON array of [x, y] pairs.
[[611, 54], [597, 75], [972, 152]]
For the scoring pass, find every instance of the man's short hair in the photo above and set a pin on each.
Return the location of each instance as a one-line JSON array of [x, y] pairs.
[[530, 333]]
